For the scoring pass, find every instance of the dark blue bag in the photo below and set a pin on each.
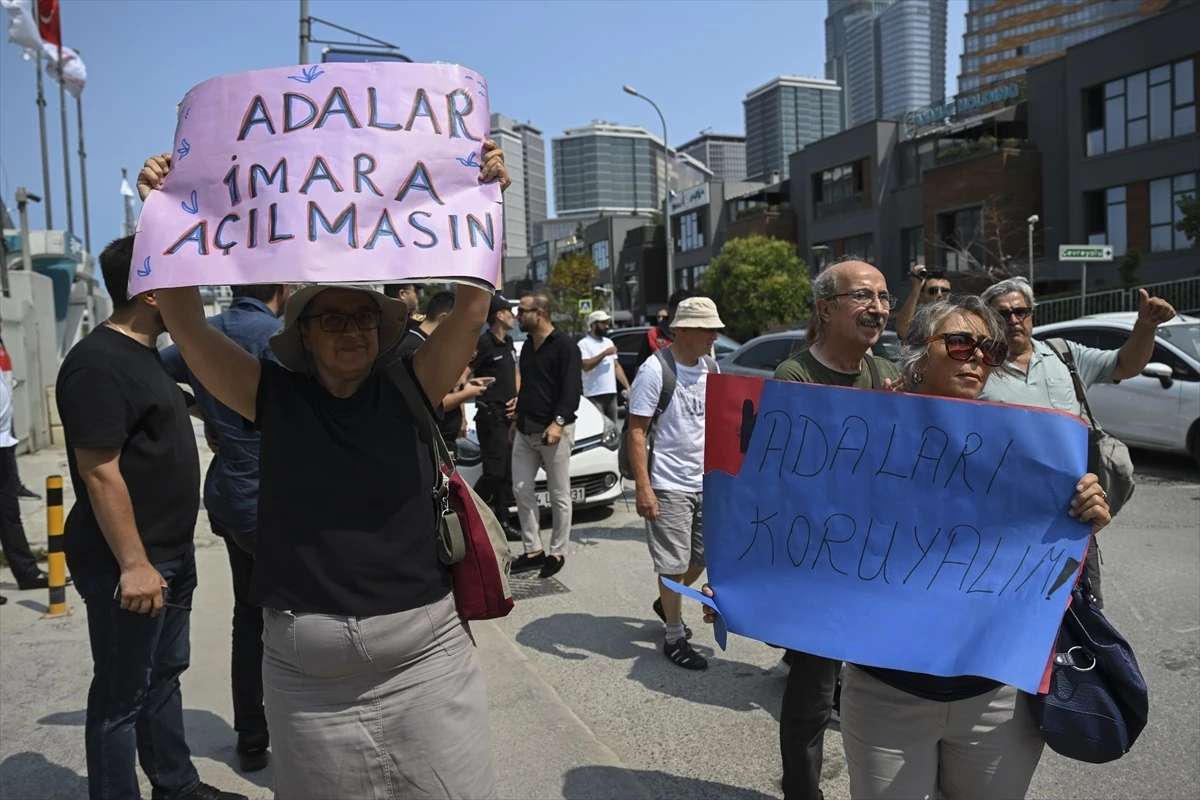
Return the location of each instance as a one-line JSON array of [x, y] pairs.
[[1098, 702]]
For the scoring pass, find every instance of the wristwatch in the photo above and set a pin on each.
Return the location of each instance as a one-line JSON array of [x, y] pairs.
[[560, 421]]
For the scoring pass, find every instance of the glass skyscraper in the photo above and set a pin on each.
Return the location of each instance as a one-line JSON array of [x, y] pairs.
[[524, 201], [782, 116], [839, 16], [724, 154]]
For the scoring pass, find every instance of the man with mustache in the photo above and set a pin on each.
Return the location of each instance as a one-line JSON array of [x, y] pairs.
[[852, 308]]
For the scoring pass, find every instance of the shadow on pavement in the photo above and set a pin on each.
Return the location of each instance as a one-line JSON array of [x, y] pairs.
[[734, 685], [208, 736], [586, 783], [31, 775]]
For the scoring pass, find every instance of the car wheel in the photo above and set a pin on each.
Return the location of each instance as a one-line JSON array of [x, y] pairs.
[[1194, 441]]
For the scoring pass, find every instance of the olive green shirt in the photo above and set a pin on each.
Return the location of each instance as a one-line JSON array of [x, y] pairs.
[[804, 367]]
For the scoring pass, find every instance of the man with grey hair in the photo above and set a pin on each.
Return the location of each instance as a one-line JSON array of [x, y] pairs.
[[852, 307], [1035, 376]]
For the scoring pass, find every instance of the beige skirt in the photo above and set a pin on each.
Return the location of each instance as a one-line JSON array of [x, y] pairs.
[[376, 708]]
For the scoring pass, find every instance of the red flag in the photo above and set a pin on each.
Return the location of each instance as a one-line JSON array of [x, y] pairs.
[[49, 22]]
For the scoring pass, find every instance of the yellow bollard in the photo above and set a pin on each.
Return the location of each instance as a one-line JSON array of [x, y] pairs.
[[56, 558]]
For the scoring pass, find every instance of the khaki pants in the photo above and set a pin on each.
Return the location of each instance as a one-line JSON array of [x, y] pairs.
[[899, 745], [528, 454]]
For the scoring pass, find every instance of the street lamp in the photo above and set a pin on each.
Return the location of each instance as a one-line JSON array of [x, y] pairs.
[[821, 251], [666, 190], [1032, 221]]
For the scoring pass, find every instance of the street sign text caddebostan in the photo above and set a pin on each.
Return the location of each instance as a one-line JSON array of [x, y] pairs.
[[1085, 252]]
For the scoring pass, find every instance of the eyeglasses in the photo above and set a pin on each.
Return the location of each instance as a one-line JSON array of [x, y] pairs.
[[336, 321], [935, 291], [962, 346], [1022, 313], [519, 311], [864, 297]]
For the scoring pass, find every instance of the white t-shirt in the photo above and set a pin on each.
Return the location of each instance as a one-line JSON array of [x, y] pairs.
[[602, 379], [678, 463], [6, 420]]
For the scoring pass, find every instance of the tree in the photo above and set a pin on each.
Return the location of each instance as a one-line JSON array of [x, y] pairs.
[[1189, 226], [758, 283], [571, 280], [1128, 267], [996, 249]]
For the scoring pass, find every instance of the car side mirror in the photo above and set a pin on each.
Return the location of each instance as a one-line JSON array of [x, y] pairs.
[[1161, 371]]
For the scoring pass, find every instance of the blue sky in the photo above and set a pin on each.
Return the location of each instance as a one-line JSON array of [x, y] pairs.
[[555, 64]]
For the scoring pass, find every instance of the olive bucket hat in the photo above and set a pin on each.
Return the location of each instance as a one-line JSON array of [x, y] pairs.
[[288, 345]]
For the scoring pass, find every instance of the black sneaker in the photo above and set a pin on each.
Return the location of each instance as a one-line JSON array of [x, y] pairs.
[[252, 760], [527, 563], [203, 791], [3, 599], [510, 533], [680, 652], [552, 566], [658, 609]]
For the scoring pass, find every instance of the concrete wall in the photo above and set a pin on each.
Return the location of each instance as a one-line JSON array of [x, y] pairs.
[[31, 336]]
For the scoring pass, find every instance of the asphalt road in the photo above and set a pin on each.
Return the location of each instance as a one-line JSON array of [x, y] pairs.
[[583, 703]]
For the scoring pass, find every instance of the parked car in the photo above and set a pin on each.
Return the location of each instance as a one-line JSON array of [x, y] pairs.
[[1159, 409], [595, 480], [629, 340], [760, 356]]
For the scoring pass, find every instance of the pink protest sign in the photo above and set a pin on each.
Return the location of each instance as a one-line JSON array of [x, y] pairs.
[[331, 172]]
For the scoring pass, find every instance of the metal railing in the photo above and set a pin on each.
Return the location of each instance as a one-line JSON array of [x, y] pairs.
[[1183, 294]]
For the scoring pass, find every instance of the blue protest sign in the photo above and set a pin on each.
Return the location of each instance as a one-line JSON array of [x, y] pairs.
[[892, 530]]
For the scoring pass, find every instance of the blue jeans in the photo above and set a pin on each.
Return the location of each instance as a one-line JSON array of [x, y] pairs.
[[134, 704]]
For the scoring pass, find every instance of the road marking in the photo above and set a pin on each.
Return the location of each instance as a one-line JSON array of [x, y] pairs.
[[1189, 630]]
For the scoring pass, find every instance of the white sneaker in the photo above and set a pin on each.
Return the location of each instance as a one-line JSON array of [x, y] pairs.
[[782, 668]]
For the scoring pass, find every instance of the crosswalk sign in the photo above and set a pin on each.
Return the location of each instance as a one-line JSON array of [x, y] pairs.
[[585, 306]]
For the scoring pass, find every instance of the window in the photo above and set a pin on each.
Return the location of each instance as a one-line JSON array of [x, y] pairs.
[[1143, 107], [962, 236], [1105, 218], [838, 189], [862, 246], [1165, 195], [769, 354], [912, 246], [690, 233], [600, 255]]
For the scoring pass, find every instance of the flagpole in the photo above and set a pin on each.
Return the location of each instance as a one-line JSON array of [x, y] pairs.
[[41, 104], [87, 227], [62, 101]]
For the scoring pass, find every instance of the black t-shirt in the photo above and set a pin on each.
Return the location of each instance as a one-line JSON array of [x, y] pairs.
[[449, 422], [113, 393], [496, 358], [933, 687], [551, 382], [345, 509]]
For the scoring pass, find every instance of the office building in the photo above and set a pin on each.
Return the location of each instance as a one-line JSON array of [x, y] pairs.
[[525, 200], [895, 60], [611, 169], [782, 116], [1004, 38], [841, 14], [723, 153]]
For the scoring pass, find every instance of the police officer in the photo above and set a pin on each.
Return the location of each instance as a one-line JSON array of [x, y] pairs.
[[495, 358]]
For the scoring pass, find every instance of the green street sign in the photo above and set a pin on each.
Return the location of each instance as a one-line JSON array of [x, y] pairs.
[[1085, 252], [585, 306]]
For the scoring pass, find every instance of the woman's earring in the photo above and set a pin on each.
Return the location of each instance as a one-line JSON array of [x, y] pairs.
[[920, 376]]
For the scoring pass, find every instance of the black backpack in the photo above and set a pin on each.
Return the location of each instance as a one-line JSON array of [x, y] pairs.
[[669, 378]]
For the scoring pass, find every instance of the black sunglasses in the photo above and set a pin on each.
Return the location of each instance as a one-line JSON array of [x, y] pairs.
[[961, 346], [1022, 313], [937, 290], [336, 321]]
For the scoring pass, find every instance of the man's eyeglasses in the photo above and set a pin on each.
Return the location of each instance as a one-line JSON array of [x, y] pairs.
[[961, 346], [864, 297], [937, 291], [336, 321], [521, 311], [1022, 313]]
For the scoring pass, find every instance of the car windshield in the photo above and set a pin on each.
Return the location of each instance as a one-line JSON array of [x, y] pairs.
[[1185, 337]]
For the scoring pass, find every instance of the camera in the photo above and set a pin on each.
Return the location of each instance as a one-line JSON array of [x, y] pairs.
[[927, 274]]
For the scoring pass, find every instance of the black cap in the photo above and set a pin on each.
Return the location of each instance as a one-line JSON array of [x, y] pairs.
[[499, 303]]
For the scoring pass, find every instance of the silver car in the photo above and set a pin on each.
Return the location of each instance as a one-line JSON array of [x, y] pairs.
[[760, 356]]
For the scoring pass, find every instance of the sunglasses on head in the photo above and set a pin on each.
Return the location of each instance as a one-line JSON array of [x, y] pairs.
[[336, 321], [1022, 313], [961, 346]]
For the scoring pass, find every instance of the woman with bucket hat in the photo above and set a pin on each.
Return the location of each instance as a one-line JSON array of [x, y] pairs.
[[370, 678]]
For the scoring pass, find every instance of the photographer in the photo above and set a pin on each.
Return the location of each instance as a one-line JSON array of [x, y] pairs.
[[928, 286]]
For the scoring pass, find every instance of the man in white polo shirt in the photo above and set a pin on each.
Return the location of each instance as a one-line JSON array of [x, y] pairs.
[[601, 370]]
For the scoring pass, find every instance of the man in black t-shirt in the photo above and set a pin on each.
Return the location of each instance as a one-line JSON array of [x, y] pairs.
[[451, 421], [495, 359], [128, 540]]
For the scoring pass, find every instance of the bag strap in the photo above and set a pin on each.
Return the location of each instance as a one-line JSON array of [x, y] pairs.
[[670, 378], [1063, 351], [451, 541], [873, 368]]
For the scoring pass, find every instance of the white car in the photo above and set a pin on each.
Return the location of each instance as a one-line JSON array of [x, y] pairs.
[[595, 479], [1159, 409]]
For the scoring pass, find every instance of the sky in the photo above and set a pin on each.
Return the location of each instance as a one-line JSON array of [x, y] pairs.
[[556, 64]]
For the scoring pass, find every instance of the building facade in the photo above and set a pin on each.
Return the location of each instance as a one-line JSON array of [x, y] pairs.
[[1004, 38], [723, 153], [525, 200], [840, 15], [606, 168], [895, 60], [782, 116]]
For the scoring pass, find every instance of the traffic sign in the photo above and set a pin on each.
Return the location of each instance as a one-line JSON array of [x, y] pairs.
[[585, 306], [1085, 252]]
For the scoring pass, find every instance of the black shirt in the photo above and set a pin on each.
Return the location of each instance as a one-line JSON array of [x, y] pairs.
[[449, 422], [551, 382], [113, 394], [345, 513], [662, 333], [496, 358], [933, 687]]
